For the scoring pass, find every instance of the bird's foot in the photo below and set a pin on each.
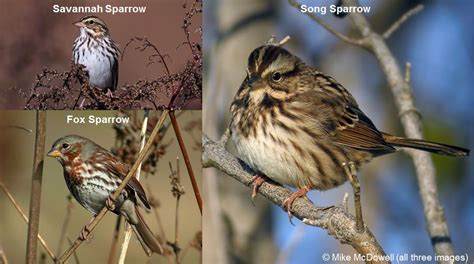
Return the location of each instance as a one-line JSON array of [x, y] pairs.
[[256, 181], [110, 203], [288, 202], [85, 233]]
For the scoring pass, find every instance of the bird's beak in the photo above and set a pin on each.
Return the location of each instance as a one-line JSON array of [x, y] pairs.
[[54, 153], [79, 24]]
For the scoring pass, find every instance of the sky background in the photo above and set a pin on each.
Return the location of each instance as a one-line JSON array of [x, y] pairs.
[[438, 42]]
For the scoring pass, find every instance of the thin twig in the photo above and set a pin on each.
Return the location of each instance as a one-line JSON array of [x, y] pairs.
[[437, 226], [25, 218], [128, 227], [187, 160], [35, 197], [62, 236], [76, 257], [177, 190], [353, 41], [115, 239], [402, 20], [3, 257], [17, 127], [91, 226]]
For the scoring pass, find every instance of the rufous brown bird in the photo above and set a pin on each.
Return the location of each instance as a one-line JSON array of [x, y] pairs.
[[92, 173]]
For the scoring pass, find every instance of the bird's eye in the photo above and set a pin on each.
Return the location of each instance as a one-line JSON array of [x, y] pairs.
[[90, 22], [276, 76], [65, 145]]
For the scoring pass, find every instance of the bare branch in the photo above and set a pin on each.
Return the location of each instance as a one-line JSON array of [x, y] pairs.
[[3, 258], [128, 227], [336, 220], [25, 218], [67, 218], [187, 160], [35, 198], [435, 219], [357, 42], [402, 20]]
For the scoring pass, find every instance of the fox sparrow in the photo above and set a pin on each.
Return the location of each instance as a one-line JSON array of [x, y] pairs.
[[92, 173]]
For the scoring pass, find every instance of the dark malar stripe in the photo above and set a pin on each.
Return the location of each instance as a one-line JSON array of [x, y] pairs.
[[270, 102]]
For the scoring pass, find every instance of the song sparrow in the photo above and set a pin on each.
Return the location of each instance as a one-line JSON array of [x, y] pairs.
[[92, 173], [301, 128], [97, 52]]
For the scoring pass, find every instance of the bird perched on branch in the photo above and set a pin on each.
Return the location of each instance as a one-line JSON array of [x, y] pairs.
[[95, 49], [301, 128], [92, 173]]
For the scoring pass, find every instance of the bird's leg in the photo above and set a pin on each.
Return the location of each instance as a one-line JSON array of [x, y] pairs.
[[256, 181], [288, 202], [351, 172]]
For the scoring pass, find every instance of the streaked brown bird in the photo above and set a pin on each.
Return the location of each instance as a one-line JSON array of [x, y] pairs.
[[95, 49], [92, 173], [301, 128]]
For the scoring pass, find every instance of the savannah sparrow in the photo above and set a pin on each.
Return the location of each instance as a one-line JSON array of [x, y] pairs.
[[92, 173], [97, 52], [302, 128]]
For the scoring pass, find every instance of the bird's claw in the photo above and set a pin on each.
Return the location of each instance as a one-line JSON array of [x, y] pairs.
[[256, 181], [110, 203], [85, 232]]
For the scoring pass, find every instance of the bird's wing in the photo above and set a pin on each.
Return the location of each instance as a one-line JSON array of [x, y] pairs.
[[342, 119], [121, 170], [355, 129]]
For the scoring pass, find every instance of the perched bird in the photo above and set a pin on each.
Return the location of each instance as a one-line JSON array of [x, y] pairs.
[[301, 128], [92, 173], [95, 49]]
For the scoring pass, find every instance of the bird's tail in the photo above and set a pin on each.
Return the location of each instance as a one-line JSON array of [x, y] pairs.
[[425, 145], [147, 239]]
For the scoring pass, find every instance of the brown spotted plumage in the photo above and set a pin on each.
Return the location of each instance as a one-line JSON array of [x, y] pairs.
[[300, 127], [92, 173]]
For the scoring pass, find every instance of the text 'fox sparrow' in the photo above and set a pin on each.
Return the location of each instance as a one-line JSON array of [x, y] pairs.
[[92, 173]]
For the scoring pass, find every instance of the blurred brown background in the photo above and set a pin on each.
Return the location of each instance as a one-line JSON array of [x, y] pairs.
[[33, 37], [17, 177]]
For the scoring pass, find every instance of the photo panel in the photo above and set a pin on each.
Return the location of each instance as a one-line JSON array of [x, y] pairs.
[[305, 100], [86, 156], [101, 55]]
